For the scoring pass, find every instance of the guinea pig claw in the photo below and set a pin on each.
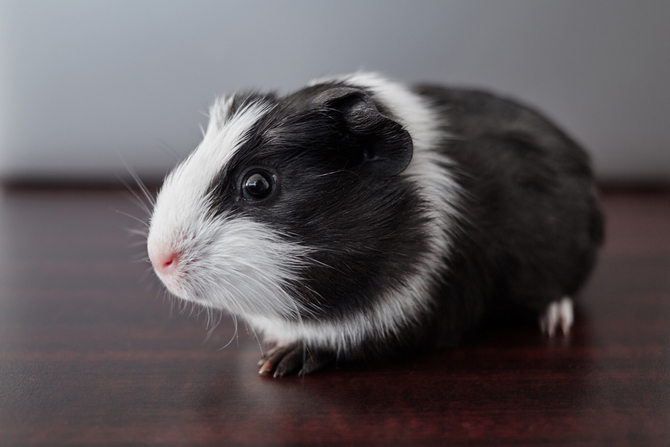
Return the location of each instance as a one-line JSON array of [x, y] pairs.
[[271, 359], [269, 353], [290, 363], [558, 314]]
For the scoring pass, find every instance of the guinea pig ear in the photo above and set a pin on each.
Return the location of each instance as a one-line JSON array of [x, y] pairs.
[[387, 148]]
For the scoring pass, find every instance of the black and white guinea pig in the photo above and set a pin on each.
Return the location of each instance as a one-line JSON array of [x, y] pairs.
[[359, 218]]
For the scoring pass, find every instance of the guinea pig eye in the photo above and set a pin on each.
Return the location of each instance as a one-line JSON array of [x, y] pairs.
[[257, 185]]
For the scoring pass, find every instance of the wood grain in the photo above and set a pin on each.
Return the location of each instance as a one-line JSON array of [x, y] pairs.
[[93, 354]]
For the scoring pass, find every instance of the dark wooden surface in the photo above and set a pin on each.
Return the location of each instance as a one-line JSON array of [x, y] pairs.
[[92, 354]]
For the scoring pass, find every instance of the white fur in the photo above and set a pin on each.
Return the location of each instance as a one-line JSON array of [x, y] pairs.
[[245, 267], [224, 263], [232, 264], [438, 188]]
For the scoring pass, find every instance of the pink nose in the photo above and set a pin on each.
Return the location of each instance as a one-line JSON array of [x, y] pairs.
[[165, 264]]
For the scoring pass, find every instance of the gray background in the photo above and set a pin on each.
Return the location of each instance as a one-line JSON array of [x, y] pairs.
[[88, 86]]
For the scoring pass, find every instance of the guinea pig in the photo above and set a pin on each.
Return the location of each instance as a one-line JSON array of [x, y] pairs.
[[360, 219]]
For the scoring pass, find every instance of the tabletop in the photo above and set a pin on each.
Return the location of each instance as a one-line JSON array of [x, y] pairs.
[[94, 352]]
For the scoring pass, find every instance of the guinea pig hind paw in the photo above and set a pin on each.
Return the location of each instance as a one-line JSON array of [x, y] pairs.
[[558, 314]]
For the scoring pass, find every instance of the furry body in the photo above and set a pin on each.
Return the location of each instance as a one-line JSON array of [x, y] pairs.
[[359, 218]]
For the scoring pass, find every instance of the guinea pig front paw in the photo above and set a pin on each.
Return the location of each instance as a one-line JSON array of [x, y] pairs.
[[558, 313], [286, 359]]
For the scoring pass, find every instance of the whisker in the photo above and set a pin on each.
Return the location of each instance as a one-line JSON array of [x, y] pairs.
[[140, 258], [171, 150], [233, 337], [138, 181], [137, 244], [256, 337], [131, 216], [142, 186], [136, 232], [138, 200], [146, 274]]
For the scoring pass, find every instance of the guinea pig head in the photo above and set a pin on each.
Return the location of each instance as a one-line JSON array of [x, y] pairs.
[[292, 208]]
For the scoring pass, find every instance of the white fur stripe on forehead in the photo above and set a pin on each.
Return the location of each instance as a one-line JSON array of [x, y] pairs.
[[225, 135]]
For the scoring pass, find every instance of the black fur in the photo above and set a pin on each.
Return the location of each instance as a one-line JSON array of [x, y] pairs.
[[335, 156], [526, 234], [530, 226]]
